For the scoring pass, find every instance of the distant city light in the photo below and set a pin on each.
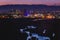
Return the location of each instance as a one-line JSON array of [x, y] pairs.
[[31, 14]]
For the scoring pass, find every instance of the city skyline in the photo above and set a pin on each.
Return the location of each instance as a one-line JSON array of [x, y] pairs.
[[29, 2]]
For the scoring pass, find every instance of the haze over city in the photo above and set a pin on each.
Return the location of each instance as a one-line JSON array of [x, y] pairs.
[[46, 2]]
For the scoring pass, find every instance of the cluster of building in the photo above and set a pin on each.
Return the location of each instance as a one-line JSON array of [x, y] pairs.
[[31, 14]]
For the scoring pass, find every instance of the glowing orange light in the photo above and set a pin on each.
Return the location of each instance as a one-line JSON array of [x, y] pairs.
[[49, 17]]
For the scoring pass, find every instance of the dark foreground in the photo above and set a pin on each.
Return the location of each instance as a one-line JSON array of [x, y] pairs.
[[10, 28]]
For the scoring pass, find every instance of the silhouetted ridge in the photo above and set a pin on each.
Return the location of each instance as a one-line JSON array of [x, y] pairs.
[[5, 8]]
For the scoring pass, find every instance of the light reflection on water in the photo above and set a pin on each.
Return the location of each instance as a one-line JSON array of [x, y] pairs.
[[35, 35], [38, 37]]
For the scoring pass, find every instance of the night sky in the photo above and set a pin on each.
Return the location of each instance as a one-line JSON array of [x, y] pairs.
[[47, 2]]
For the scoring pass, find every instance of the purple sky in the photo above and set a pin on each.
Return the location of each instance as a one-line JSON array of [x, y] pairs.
[[48, 2]]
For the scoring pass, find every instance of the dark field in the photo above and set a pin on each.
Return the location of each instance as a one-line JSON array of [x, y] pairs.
[[11, 28]]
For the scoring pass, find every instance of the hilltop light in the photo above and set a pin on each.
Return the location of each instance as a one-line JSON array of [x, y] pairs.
[[42, 16], [36, 15], [2, 16]]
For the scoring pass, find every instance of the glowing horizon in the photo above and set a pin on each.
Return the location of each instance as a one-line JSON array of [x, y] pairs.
[[46, 2]]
